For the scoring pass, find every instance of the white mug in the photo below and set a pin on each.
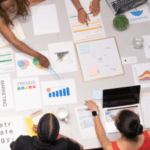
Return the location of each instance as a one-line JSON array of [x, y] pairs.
[[62, 114]]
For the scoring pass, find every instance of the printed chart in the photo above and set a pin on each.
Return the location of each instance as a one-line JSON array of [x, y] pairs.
[[58, 92], [28, 66]]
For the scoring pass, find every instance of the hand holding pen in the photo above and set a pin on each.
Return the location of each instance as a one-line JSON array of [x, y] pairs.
[[95, 7]]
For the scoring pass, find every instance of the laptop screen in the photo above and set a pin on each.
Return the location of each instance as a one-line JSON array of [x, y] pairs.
[[121, 96]]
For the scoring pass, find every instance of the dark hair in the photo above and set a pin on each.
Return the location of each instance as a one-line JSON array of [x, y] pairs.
[[23, 6], [48, 128], [128, 123]]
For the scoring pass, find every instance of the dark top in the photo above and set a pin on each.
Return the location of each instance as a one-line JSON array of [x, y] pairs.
[[31, 143]]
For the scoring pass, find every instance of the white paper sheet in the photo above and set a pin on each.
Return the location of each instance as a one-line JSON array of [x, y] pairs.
[[81, 32], [45, 19], [27, 65], [146, 45], [6, 97], [58, 92], [139, 14], [62, 57], [27, 93], [37, 119], [141, 74], [86, 122], [11, 129], [145, 105], [17, 30], [129, 60], [6, 60], [104, 56]]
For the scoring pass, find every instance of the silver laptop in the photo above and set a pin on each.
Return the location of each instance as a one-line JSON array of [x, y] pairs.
[[121, 6], [118, 99]]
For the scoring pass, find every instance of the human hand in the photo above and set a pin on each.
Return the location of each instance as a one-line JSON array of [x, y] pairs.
[[95, 7], [83, 17], [91, 105], [43, 61], [34, 128]]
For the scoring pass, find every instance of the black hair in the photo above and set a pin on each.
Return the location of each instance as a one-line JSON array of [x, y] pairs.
[[128, 123], [48, 128]]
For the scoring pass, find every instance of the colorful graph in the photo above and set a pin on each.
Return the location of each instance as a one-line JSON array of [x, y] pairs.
[[26, 87], [145, 76], [61, 55], [58, 93], [36, 63], [23, 64]]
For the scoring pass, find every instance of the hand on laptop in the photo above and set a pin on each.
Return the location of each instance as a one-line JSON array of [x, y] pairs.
[[91, 105], [95, 7], [83, 17]]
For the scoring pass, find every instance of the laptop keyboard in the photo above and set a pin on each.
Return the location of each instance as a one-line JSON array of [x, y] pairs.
[[111, 113]]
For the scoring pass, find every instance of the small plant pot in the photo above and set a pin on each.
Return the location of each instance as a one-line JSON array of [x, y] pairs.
[[121, 22]]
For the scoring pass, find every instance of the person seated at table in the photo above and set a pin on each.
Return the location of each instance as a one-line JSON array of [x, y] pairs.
[[9, 9], [48, 137], [82, 15], [128, 124]]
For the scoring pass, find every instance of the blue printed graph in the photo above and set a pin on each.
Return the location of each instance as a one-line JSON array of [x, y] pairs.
[[59, 93], [137, 12]]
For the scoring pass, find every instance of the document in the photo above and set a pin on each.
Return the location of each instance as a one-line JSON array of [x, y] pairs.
[[27, 93], [44, 19], [146, 45], [62, 57], [6, 96], [6, 60], [81, 32], [58, 92]]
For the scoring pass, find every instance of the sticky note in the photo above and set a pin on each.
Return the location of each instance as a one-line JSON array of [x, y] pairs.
[[92, 71], [84, 49], [97, 95]]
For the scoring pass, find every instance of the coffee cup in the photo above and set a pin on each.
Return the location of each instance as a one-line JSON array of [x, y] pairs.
[[62, 114]]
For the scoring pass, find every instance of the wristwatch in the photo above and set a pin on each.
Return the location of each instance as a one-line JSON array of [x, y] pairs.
[[94, 113]]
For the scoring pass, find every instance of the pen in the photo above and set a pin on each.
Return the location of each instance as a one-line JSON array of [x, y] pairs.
[[53, 71], [92, 6]]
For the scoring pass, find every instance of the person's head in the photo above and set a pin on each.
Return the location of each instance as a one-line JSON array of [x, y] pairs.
[[128, 123], [48, 128], [10, 6]]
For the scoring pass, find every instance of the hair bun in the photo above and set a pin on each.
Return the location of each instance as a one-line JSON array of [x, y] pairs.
[[139, 129]]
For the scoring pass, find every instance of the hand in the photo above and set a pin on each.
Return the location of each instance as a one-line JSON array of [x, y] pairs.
[[95, 8], [83, 17], [91, 105], [34, 128], [43, 61]]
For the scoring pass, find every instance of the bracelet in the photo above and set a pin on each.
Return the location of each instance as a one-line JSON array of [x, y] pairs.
[[80, 9]]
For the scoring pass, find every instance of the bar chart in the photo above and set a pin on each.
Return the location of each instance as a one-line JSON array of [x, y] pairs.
[[59, 93]]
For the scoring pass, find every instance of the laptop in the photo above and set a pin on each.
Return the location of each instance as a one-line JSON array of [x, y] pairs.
[[118, 99], [120, 6]]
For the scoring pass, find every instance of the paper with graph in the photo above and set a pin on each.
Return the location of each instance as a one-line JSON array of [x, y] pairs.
[[82, 32], [58, 92], [27, 93], [99, 59], [141, 74], [27, 65], [17, 30], [62, 57]]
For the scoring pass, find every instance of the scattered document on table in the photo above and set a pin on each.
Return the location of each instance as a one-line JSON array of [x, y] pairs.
[[145, 104], [27, 65], [58, 92], [146, 45], [81, 32], [139, 14], [17, 30], [62, 57], [6, 60], [141, 74], [129, 60], [45, 19], [27, 93], [97, 95], [102, 61], [6, 96], [11, 129], [86, 122]]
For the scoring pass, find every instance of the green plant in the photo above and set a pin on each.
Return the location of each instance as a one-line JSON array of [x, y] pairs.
[[120, 22]]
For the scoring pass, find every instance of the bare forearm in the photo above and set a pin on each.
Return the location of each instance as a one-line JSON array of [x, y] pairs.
[[77, 4]]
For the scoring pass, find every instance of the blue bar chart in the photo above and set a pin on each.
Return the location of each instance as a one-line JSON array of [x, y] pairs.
[[59, 93]]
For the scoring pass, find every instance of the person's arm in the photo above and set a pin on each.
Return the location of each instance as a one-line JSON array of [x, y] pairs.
[[82, 15], [96, 7], [106, 144], [10, 37]]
